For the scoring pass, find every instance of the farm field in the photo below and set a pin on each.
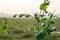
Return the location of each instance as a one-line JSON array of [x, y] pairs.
[[23, 29]]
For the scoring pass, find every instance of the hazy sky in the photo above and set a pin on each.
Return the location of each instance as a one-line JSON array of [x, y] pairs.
[[26, 6]]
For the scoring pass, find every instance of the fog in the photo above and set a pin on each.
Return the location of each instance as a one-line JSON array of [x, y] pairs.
[[10, 7]]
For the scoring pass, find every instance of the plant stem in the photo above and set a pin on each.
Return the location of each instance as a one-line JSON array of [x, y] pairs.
[[38, 27]]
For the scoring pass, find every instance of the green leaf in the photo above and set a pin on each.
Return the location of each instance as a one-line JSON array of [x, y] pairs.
[[51, 16], [47, 2], [43, 6], [4, 29], [51, 22], [47, 30], [37, 18], [27, 15], [43, 20], [21, 15], [14, 15], [40, 36]]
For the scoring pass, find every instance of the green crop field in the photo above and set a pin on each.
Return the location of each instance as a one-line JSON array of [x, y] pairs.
[[23, 29]]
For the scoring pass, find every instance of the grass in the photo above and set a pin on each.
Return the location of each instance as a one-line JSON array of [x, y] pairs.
[[19, 29]]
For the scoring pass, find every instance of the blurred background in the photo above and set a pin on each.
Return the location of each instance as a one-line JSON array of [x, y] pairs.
[[11, 7], [25, 28]]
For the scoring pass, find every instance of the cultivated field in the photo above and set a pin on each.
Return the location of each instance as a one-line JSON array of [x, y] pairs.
[[23, 29]]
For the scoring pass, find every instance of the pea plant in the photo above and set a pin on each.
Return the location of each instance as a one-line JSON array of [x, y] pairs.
[[44, 21], [4, 29], [43, 18]]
